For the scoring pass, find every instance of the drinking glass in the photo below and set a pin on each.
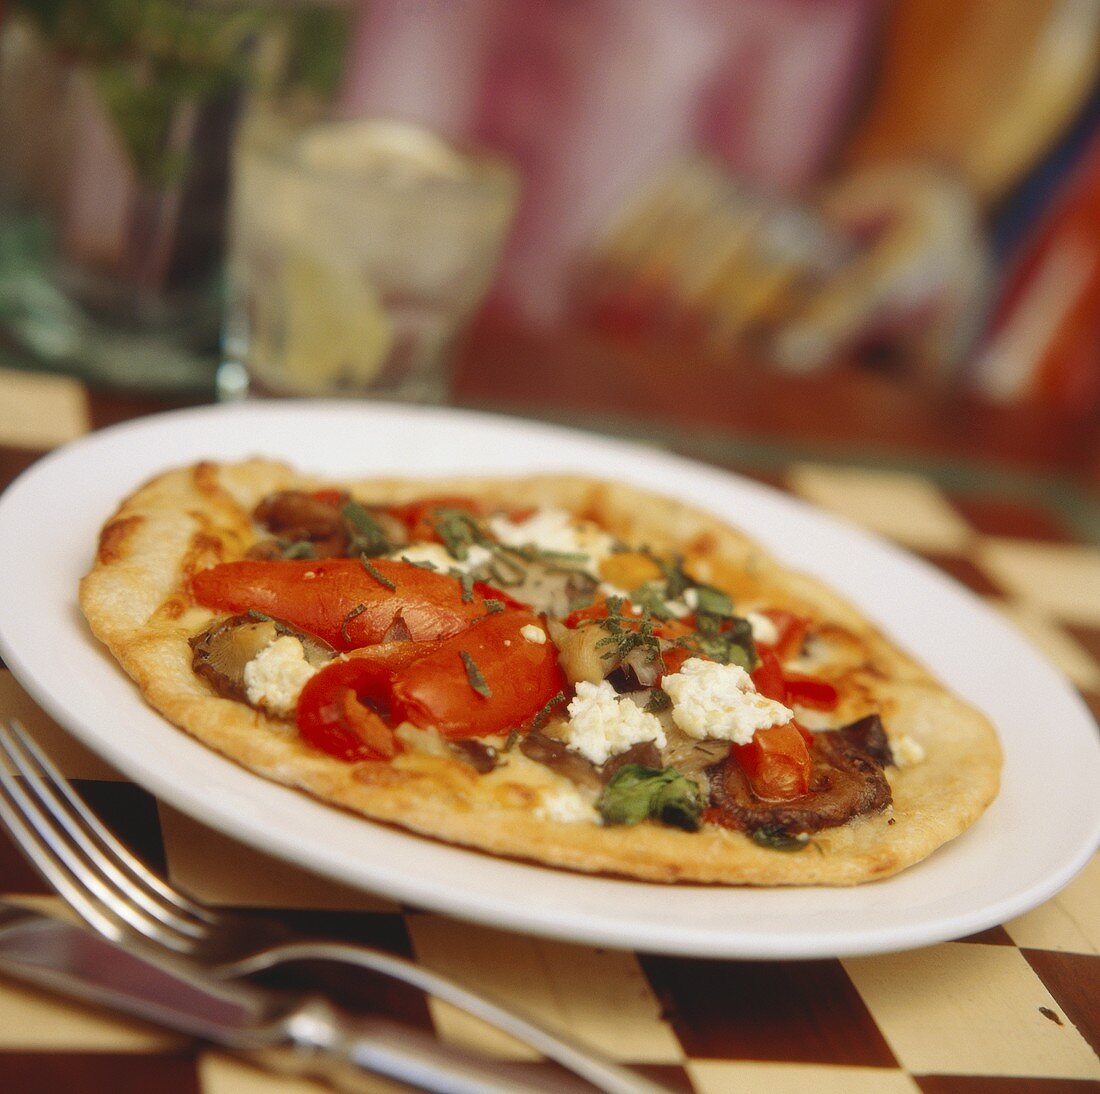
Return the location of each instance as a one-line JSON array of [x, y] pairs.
[[357, 249]]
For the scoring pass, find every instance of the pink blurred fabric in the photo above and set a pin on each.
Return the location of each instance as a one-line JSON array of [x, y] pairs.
[[591, 99]]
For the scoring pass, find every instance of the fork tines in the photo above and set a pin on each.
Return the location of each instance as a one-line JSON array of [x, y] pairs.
[[95, 874]]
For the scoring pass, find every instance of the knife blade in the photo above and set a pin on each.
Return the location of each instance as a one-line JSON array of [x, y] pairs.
[[290, 1033]]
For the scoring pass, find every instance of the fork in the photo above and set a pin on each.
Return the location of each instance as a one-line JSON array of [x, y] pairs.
[[119, 897]]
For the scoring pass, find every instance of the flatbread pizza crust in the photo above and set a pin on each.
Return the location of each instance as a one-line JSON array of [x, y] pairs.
[[136, 601]]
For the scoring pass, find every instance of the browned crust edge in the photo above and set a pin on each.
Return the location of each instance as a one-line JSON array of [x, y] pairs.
[[135, 601]]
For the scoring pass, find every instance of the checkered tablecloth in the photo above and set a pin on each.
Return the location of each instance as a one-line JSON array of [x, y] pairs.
[[1014, 1009]]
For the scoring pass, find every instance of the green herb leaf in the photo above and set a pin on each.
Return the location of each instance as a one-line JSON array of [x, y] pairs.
[[775, 839], [473, 674], [359, 609], [459, 531], [622, 639], [506, 572], [658, 700], [545, 555], [260, 617], [637, 793], [713, 601], [725, 639], [376, 574], [466, 581], [367, 537], [543, 716], [676, 581], [298, 548], [650, 597], [494, 606]]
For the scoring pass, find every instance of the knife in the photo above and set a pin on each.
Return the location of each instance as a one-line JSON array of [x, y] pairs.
[[287, 1032]]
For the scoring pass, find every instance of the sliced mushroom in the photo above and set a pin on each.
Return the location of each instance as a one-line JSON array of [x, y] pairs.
[[298, 515], [645, 753], [554, 755], [689, 755], [480, 756], [547, 588], [220, 653]]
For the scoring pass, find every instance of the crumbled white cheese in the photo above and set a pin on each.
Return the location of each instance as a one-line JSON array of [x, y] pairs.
[[720, 702], [427, 741], [556, 530], [439, 557], [677, 608], [605, 588], [907, 752], [603, 724], [763, 629], [691, 599], [566, 805], [533, 633], [276, 675]]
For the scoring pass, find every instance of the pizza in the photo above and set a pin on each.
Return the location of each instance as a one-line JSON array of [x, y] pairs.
[[573, 672]]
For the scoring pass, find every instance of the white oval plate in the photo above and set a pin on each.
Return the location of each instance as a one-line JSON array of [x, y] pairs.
[[1034, 838]]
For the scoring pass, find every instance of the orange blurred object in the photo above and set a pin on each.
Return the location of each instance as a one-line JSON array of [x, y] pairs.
[[984, 88], [1044, 341]]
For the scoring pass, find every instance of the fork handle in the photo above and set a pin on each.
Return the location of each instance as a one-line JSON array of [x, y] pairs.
[[593, 1066], [351, 1052]]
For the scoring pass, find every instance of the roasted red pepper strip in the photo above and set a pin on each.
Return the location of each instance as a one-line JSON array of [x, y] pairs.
[[768, 676], [808, 691], [520, 677], [788, 688], [792, 630], [332, 711], [342, 602], [776, 762], [346, 709]]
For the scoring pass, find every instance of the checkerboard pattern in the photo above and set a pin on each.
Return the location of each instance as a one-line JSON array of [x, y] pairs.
[[1015, 1009]]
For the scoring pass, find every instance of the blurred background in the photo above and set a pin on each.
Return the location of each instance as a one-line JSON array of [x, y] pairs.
[[784, 217]]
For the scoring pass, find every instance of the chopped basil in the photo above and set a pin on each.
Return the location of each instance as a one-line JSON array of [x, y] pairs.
[[712, 601], [466, 581], [676, 581], [473, 674], [260, 617], [650, 598], [543, 716], [622, 639], [366, 535], [545, 555], [359, 609], [581, 600], [637, 793], [376, 574], [298, 548], [725, 639], [506, 572], [776, 839], [658, 700], [557, 562], [494, 606], [459, 531]]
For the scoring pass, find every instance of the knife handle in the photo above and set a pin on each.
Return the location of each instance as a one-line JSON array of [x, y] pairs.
[[350, 1052]]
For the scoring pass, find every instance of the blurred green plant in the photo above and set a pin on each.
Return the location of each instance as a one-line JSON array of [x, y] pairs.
[[150, 57]]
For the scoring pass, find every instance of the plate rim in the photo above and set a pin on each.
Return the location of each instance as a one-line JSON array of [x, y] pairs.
[[866, 942]]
